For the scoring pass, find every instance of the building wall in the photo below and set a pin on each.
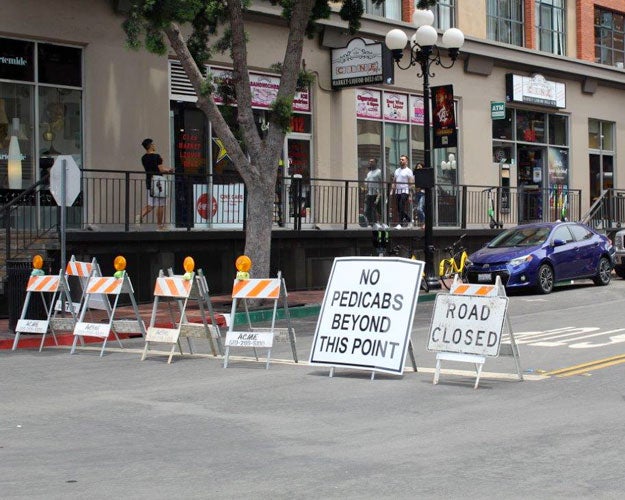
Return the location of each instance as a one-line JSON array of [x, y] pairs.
[[126, 93]]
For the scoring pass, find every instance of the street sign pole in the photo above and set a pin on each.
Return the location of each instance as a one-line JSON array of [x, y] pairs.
[[65, 188], [63, 209]]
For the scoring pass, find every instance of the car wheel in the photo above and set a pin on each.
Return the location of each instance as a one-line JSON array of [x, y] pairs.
[[620, 271], [604, 272], [545, 279]]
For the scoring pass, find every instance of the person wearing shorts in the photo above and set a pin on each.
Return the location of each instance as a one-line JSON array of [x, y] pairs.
[[153, 165]]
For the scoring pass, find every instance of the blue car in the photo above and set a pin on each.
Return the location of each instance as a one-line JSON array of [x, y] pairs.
[[539, 255]]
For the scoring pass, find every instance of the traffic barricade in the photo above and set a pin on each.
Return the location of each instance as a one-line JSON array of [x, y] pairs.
[[245, 289], [468, 325], [181, 289], [114, 285]]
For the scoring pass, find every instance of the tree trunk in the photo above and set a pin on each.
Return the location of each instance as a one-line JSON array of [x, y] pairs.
[[260, 201]]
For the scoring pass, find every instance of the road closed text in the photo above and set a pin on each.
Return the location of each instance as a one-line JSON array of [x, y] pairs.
[[467, 324]]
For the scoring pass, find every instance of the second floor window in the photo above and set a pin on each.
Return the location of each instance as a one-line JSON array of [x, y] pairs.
[[504, 21], [609, 35], [444, 14], [390, 9], [550, 26]]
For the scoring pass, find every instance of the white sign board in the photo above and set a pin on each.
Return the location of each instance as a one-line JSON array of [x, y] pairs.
[[249, 339], [92, 330], [467, 324], [367, 314], [32, 326], [72, 180], [164, 335]]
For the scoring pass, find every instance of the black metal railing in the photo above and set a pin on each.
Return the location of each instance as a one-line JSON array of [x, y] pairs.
[[27, 216], [113, 200]]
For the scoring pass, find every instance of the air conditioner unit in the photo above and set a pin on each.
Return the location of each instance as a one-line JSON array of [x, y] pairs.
[[619, 65]]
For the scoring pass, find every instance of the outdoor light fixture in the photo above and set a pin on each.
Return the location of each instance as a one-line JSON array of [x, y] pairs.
[[15, 158], [424, 52]]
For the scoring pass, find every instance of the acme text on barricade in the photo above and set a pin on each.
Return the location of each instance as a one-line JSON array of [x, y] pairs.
[[467, 324], [367, 313]]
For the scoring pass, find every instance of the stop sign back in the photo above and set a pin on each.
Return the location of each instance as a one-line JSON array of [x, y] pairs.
[[72, 180]]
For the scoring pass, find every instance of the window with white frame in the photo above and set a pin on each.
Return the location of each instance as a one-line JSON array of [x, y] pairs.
[[609, 37], [550, 26], [444, 14], [390, 9], [504, 21]]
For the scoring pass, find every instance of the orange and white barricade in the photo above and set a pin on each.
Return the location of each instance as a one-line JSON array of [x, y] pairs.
[[81, 271], [263, 338], [468, 326], [191, 286], [98, 286], [42, 285]]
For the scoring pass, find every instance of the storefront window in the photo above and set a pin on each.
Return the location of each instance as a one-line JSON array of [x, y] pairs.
[[16, 108], [502, 129], [395, 145], [558, 125], [530, 126], [60, 122], [38, 107]]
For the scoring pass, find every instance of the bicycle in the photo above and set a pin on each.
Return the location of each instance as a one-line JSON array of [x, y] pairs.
[[399, 250], [454, 265], [493, 223]]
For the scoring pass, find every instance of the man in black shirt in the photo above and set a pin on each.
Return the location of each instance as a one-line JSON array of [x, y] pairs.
[[153, 165]]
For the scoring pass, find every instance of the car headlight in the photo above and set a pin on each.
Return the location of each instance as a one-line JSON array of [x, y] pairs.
[[520, 260]]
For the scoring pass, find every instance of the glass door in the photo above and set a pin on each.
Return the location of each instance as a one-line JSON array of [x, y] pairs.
[[298, 193], [530, 182]]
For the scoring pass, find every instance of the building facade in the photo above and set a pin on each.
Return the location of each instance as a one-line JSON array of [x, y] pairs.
[[537, 96]]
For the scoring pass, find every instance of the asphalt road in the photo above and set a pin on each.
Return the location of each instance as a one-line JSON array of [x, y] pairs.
[[116, 427]]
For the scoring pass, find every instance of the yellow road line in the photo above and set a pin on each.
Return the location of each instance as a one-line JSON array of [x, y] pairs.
[[586, 367]]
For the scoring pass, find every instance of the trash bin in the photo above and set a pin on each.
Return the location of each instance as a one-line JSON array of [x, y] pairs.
[[18, 272]]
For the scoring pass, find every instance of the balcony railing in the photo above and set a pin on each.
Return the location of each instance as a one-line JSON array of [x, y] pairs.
[[113, 201]]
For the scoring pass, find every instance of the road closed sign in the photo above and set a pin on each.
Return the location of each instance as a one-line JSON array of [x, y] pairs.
[[367, 314], [467, 324]]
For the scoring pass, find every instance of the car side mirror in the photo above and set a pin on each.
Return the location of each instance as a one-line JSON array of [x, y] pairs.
[[558, 242]]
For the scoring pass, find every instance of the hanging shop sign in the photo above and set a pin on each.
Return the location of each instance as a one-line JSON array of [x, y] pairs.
[[535, 89], [395, 107], [264, 90], [443, 117], [497, 110], [368, 104], [359, 63]]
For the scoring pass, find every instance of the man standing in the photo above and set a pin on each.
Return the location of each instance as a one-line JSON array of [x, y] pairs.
[[403, 182], [153, 165], [373, 184]]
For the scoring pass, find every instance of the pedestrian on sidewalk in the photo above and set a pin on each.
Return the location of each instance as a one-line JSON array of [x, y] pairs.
[[403, 184], [155, 182]]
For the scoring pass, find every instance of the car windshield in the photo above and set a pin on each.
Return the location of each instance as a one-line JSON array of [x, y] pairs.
[[521, 237]]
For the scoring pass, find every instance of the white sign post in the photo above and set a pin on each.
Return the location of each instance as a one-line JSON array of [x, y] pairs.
[[367, 314], [65, 188]]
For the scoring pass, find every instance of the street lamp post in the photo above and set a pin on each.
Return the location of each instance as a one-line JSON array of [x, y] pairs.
[[424, 52]]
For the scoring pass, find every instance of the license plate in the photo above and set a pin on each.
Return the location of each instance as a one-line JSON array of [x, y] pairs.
[[484, 277]]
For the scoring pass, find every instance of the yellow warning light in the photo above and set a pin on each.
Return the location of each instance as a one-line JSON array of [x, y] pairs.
[[37, 262], [119, 263], [188, 264], [243, 263]]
